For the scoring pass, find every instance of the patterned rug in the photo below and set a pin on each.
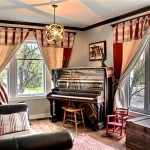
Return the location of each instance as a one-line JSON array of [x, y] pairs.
[[85, 142]]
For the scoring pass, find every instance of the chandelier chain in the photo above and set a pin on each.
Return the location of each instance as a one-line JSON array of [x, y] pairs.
[[54, 6], [55, 31]]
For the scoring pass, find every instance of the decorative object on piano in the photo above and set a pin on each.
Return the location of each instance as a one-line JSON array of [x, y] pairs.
[[103, 60], [97, 51], [55, 31], [65, 62]]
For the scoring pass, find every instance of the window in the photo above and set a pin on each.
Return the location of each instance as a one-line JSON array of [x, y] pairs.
[[26, 77], [30, 70], [4, 79], [138, 84]]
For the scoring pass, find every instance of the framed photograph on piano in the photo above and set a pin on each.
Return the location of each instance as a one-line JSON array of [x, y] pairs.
[[97, 51]]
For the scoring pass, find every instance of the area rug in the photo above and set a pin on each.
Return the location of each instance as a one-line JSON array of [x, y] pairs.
[[85, 142]]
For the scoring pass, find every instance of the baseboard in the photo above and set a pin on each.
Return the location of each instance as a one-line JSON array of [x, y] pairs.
[[39, 116]]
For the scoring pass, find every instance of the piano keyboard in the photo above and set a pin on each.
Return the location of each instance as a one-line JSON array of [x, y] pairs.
[[73, 97]]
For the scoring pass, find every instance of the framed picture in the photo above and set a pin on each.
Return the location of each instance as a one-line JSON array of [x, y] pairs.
[[97, 51]]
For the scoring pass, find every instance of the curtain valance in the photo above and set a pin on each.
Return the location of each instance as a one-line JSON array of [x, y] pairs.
[[67, 42], [55, 56], [13, 35], [131, 29]]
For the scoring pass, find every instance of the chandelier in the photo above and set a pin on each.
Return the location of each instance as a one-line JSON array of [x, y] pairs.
[[54, 31]]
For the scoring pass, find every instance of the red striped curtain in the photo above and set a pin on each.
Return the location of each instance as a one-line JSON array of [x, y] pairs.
[[10, 40], [127, 36], [124, 32], [55, 56], [3, 95], [68, 49]]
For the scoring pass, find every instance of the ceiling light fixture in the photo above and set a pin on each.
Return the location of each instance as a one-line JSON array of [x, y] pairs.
[[54, 31]]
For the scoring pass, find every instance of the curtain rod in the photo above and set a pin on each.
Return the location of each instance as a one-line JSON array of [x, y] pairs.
[[31, 29], [113, 25]]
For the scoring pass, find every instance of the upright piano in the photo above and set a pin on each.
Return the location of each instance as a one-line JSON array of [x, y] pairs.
[[88, 88]]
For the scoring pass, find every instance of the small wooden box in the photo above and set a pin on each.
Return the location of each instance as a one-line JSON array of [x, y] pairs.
[[138, 133]]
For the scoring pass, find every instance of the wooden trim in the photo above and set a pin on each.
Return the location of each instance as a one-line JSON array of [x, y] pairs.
[[31, 28], [129, 14], [35, 24], [113, 25]]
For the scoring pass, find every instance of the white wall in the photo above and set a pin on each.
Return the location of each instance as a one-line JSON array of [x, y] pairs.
[[102, 33], [39, 107], [80, 53]]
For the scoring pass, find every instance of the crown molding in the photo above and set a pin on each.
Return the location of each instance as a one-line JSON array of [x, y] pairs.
[[117, 18], [35, 24]]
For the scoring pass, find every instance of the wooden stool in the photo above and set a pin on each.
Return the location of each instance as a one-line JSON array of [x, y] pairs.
[[73, 115]]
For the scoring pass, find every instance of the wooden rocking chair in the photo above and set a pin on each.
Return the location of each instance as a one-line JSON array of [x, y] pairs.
[[117, 122]]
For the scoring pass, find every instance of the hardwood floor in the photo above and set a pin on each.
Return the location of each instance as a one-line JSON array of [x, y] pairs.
[[44, 125]]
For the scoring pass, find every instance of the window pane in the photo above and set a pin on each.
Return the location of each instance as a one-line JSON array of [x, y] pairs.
[[30, 75], [137, 86], [4, 79], [29, 51]]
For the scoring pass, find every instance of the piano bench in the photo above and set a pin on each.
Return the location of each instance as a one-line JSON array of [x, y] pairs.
[[73, 115]]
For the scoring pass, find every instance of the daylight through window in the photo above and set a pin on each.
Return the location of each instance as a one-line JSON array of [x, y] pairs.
[[30, 74]]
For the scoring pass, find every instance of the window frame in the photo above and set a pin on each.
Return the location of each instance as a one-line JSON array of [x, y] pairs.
[[147, 85], [7, 78], [43, 75], [12, 81]]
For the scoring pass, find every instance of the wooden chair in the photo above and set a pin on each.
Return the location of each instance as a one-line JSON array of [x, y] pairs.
[[70, 114], [117, 122]]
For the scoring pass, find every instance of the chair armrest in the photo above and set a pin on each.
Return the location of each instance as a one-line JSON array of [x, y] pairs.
[[61, 140], [13, 108], [125, 117], [109, 116]]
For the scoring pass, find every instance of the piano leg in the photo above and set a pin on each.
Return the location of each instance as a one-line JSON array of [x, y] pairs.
[[52, 110], [55, 110], [100, 117]]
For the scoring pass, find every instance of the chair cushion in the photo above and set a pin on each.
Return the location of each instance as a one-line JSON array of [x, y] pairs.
[[14, 122]]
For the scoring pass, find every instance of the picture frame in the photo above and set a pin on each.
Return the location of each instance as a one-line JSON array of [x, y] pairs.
[[97, 51]]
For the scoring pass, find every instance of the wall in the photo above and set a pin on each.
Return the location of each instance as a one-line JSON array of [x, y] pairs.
[[102, 33], [80, 53], [39, 108]]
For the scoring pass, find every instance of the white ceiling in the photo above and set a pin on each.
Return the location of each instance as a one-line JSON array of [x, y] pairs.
[[74, 13]]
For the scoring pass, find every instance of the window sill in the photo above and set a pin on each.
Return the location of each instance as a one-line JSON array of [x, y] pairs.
[[26, 98], [136, 114]]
